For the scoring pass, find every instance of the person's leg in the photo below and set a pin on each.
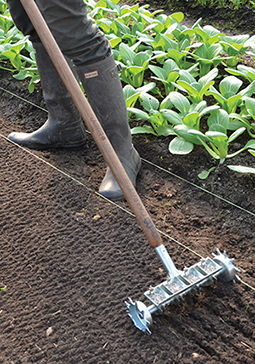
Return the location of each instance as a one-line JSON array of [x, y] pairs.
[[90, 51], [64, 127], [82, 42], [21, 18], [77, 36], [103, 88]]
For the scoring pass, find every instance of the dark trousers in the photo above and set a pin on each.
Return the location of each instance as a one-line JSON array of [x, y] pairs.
[[78, 38]]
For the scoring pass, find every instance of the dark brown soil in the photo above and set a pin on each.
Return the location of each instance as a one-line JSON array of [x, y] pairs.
[[227, 17], [70, 259]]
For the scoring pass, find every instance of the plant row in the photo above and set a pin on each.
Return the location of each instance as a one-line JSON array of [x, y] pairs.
[[186, 83]]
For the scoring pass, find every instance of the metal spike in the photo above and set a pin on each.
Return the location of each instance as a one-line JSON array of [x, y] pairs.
[[238, 278], [148, 330]]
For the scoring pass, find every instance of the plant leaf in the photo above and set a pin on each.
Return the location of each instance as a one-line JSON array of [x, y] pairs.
[[172, 116], [146, 129], [219, 116], [241, 169], [141, 115], [149, 102], [236, 134], [204, 174], [159, 72], [180, 146], [192, 120], [230, 84], [180, 102]]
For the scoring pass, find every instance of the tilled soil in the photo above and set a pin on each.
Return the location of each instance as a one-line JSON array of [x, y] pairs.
[[69, 259]]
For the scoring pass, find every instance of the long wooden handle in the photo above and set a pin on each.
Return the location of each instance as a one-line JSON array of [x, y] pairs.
[[92, 123]]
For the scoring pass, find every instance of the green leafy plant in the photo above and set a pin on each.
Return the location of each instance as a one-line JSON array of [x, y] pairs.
[[243, 71], [235, 47], [16, 50], [144, 16], [3, 6], [132, 94], [6, 21], [188, 118], [154, 114], [133, 64], [208, 57], [181, 31], [163, 24], [205, 173], [170, 27], [248, 112], [175, 50], [207, 35], [166, 74], [229, 97], [28, 72], [250, 108], [11, 52], [122, 25], [195, 89], [238, 3], [216, 141]]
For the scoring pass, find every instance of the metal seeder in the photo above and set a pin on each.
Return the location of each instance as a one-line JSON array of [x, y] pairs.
[[180, 283]]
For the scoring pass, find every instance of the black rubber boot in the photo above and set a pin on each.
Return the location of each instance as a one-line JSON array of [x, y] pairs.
[[103, 89], [65, 127]]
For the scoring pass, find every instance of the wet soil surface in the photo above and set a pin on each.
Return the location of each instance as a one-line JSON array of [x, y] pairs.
[[69, 259]]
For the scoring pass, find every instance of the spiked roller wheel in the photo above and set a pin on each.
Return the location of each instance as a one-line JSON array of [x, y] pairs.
[[229, 272], [140, 315]]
